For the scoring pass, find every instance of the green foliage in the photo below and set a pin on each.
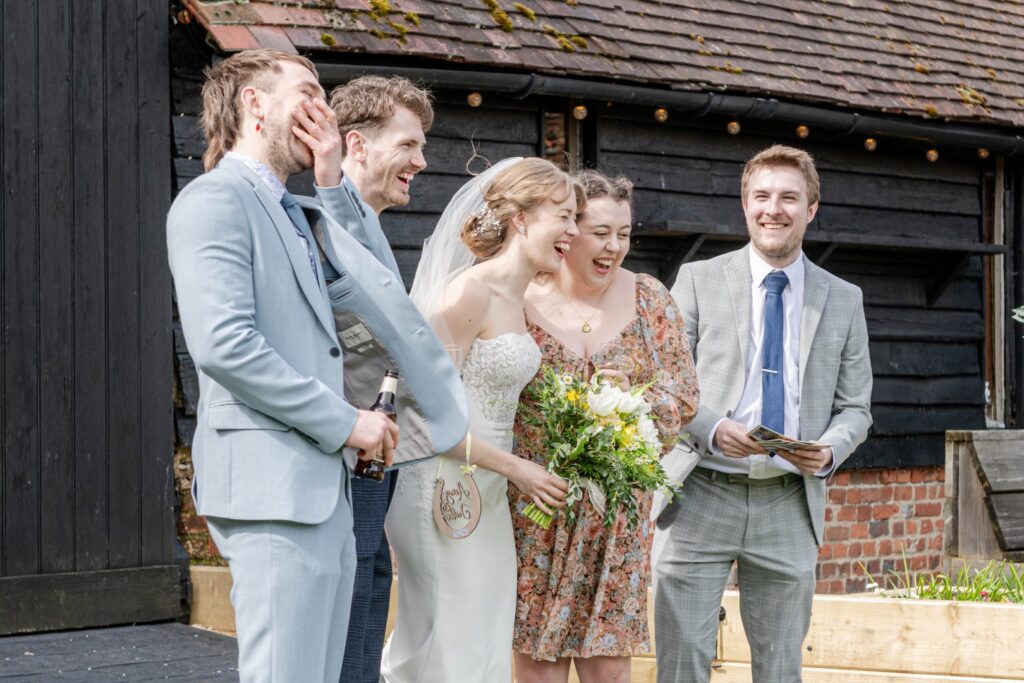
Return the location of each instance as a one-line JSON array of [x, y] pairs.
[[379, 9], [328, 40], [412, 19], [399, 29], [615, 447], [567, 42], [500, 16], [995, 582], [525, 11]]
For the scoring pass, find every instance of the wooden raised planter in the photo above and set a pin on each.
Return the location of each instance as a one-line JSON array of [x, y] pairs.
[[859, 639], [984, 508], [853, 639]]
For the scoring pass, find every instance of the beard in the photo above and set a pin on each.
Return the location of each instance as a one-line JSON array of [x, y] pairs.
[[772, 247], [282, 156]]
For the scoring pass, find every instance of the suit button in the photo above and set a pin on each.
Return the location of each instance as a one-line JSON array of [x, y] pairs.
[[335, 352]]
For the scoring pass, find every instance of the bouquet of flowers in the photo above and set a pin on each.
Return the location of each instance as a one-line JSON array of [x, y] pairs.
[[599, 438]]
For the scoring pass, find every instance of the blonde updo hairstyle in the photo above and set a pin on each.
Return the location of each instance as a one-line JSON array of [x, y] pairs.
[[522, 186], [597, 185]]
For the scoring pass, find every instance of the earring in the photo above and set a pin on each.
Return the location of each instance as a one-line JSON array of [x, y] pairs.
[[259, 126]]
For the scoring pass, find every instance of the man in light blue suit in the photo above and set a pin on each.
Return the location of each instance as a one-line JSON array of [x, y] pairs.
[[383, 122], [256, 309]]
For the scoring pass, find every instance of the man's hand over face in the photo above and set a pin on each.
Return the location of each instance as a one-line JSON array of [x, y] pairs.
[[317, 126]]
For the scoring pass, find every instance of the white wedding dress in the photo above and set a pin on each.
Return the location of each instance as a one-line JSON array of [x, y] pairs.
[[456, 598]]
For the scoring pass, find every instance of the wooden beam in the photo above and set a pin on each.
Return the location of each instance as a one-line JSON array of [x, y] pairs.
[[954, 264], [52, 602], [211, 599], [826, 252], [740, 672], [683, 254], [932, 638], [856, 240]]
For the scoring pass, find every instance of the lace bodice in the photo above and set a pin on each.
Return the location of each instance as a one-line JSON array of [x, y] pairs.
[[495, 372]]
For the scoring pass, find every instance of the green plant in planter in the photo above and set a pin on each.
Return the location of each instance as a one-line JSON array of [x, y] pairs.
[[995, 582]]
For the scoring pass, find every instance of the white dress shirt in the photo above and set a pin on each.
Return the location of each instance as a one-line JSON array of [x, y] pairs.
[[748, 411]]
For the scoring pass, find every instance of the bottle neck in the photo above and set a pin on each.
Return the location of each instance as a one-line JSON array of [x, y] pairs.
[[389, 386]]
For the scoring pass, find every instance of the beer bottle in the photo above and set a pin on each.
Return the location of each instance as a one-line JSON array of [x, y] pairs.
[[385, 403]]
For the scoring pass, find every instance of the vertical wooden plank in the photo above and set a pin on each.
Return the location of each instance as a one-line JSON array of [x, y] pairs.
[[3, 320], [157, 523], [21, 291], [56, 315], [122, 150], [90, 276]]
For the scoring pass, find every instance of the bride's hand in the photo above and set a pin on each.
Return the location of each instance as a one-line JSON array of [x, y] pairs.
[[547, 490]]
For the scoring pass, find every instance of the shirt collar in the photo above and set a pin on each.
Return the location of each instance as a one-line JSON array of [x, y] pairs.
[[263, 171], [759, 270]]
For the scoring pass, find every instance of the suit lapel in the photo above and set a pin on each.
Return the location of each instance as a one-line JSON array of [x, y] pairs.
[[738, 280], [815, 294], [286, 231]]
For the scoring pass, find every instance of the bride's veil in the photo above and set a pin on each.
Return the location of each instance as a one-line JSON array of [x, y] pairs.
[[445, 256]]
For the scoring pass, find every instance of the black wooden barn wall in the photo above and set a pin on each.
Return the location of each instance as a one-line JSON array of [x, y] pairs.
[[88, 531], [927, 359]]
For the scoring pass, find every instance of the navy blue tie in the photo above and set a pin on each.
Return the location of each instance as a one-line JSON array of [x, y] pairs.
[[291, 206], [773, 385]]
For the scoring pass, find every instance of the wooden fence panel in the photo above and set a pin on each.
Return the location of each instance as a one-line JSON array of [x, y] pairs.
[[86, 446]]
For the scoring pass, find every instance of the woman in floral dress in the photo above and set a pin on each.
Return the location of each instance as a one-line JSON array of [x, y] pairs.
[[582, 587]]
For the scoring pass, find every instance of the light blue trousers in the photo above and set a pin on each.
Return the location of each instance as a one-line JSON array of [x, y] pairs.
[[292, 591]]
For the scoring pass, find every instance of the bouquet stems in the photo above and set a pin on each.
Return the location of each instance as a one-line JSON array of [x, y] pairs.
[[537, 516]]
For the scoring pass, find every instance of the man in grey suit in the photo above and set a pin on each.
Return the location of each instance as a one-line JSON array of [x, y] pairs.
[[383, 123], [781, 343], [256, 310]]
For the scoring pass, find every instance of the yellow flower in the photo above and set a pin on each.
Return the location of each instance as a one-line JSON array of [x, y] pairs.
[[573, 396]]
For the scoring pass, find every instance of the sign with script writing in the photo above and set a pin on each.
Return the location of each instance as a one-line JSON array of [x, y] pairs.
[[456, 502]]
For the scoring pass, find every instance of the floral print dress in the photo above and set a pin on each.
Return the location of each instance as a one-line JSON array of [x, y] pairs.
[[582, 587]]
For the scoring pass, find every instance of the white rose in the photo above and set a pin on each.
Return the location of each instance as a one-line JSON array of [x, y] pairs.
[[603, 402], [628, 403], [648, 432]]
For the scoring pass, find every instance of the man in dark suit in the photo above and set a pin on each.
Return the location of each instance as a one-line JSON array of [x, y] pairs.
[[383, 123]]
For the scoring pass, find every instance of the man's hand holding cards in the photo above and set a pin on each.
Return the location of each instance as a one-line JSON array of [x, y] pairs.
[[807, 456], [772, 441]]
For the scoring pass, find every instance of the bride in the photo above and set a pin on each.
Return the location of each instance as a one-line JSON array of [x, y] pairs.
[[457, 584]]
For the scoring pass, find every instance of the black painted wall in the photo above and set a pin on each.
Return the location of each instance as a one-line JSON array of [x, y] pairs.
[[85, 315], [927, 358]]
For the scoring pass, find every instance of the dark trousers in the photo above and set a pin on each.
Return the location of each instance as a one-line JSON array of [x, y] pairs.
[[372, 591]]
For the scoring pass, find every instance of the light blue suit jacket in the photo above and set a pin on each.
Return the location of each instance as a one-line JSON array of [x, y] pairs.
[[431, 401], [258, 323]]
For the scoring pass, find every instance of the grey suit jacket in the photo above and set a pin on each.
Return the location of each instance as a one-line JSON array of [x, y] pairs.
[[835, 368], [258, 322]]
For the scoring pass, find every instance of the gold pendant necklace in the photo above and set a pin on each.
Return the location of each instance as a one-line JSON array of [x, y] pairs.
[[586, 328]]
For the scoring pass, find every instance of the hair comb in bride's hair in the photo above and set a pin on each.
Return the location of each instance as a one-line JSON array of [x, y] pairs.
[[486, 221]]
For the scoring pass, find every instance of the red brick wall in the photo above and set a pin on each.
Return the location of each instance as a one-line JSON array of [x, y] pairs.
[[871, 516], [192, 531], [874, 517]]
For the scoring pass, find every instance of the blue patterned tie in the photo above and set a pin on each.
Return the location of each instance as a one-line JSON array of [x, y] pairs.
[[773, 385], [291, 206]]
